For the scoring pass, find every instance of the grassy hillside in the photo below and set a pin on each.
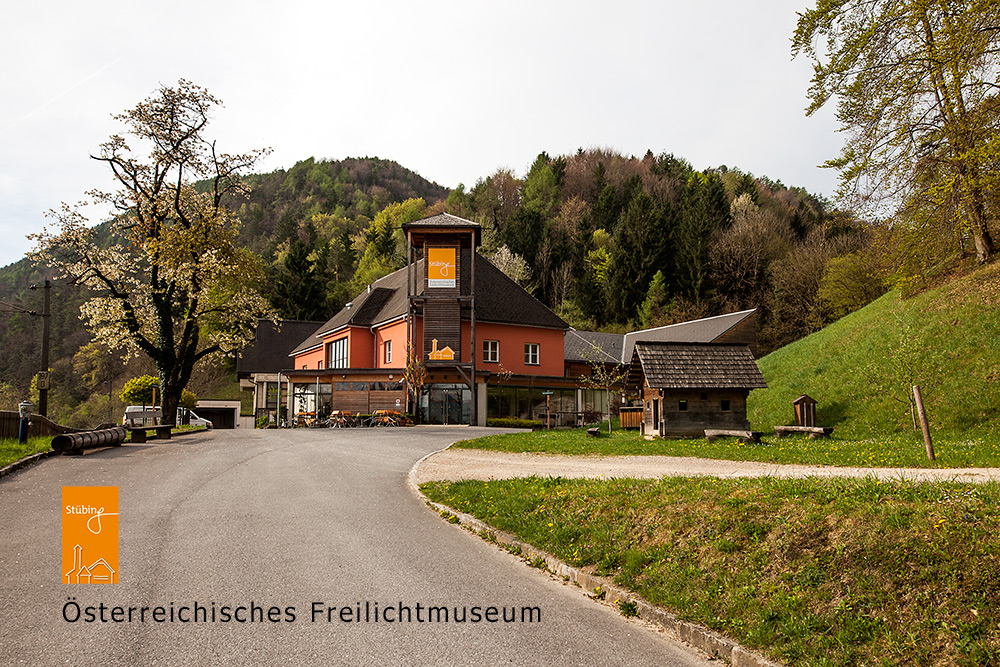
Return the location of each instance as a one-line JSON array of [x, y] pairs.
[[861, 368]]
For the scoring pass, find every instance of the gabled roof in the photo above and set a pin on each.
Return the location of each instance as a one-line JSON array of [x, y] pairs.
[[667, 365], [704, 330], [593, 346], [442, 220], [498, 299]]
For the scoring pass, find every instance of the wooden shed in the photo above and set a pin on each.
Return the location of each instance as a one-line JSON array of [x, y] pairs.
[[689, 387]]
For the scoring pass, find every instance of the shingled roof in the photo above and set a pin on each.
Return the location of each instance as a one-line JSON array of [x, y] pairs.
[[668, 365], [498, 299]]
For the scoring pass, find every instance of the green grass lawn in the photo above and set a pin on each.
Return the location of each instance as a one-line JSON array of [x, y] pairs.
[[861, 369], [11, 451], [810, 572], [896, 450]]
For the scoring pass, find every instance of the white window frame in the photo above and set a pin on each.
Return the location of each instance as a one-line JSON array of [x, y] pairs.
[[337, 353], [387, 353], [491, 352], [532, 354]]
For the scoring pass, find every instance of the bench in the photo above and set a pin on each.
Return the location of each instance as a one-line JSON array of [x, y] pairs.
[[139, 434], [743, 434], [811, 431], [594, 432]]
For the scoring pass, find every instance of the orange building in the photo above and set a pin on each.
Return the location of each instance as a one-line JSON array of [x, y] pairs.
[[467, 325]]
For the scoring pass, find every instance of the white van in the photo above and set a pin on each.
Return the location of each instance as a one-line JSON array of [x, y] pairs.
[[149, 415]]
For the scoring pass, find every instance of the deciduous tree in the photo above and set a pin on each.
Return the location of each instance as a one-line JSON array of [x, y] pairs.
[[917, 83], [172, 284]]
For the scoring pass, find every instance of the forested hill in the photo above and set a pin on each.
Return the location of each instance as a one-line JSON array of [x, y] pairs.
[[608, 241], [350, 189]]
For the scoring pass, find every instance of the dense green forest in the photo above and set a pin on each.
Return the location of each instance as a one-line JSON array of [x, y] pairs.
[[610, 242]]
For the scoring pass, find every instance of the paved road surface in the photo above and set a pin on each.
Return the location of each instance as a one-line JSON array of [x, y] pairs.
[[286, 519]]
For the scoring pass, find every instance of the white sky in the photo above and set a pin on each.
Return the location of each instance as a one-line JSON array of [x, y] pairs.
[[451, 90]]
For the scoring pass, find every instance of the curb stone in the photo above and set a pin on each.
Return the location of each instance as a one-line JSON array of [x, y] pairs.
[[25, 462], [710, 642]]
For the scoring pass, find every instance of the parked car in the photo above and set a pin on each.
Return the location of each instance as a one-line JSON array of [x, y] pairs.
[[150, 415]]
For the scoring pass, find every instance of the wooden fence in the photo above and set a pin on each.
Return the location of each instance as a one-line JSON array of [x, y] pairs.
[[10, 423]]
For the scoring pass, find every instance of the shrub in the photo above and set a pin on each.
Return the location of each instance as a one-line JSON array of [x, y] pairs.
[[510, 422]]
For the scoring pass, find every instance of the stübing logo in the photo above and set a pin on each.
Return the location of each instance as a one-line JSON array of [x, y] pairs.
[[90, 535], [441, 267]]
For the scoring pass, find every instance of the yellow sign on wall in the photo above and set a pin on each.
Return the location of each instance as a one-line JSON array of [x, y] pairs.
[[90, 535], [441, 267]]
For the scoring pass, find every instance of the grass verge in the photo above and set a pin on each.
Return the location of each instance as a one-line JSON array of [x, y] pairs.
[[892, 451], [11, 451], [811, 572]]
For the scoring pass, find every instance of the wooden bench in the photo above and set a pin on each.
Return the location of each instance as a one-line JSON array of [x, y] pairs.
[[140, 433], [811, 431], [744, 435]]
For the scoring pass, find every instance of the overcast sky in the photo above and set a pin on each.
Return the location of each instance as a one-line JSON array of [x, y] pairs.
[[451, 90]]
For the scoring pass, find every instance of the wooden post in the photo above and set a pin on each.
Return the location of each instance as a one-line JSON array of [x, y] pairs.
[[924, 426]]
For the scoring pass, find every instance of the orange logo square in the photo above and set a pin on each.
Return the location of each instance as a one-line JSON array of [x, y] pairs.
[[90, 535], [441, 267]]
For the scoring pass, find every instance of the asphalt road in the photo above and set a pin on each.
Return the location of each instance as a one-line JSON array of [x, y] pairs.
[[288, 520]]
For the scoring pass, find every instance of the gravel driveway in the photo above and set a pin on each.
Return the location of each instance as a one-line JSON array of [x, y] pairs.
[[455, 464]]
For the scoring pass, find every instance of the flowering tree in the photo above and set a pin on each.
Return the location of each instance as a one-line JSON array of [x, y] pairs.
[[172, 283]]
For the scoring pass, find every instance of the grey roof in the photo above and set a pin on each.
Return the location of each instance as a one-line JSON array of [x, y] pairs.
[[704, 330], [591, 346], [668, 365], [442, 220], [498, 299], [269, 351]]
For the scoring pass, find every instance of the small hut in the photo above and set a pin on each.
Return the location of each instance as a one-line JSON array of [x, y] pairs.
[[805, 410], [689, 387]]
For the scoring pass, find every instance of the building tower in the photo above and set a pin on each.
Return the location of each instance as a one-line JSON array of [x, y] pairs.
[[441, 288]]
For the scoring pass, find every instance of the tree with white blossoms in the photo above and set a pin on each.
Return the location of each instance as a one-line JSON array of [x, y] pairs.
[[172, 284]]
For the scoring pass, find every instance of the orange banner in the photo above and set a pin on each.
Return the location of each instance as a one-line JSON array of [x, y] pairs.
[[441, 267], [90, 535]]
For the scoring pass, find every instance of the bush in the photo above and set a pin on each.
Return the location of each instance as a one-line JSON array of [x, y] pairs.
[[510, 422]]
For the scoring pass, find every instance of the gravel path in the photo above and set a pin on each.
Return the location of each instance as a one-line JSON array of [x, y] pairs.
[[455, 464]]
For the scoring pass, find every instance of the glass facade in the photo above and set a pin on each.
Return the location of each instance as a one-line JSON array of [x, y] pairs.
[[446, 404], [530, 403], [311, 400]]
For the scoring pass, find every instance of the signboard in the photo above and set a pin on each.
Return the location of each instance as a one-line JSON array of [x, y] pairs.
[[43, 379], [441, 267], [547, 393]]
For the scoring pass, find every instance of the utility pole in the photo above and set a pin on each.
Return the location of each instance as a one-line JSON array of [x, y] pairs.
[[43, 394]]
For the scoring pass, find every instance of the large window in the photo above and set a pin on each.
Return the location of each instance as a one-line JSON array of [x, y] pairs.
[[491, 351], [531, 354], [336, 353]]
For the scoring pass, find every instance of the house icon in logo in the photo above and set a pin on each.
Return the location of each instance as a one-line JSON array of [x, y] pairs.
[[98, 572], [444, 354]]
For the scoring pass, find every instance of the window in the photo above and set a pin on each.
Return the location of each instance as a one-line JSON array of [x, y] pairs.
[[491, 351], [531, 354], [682, 405], [388, 351], [726, 406], [336, 353]]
